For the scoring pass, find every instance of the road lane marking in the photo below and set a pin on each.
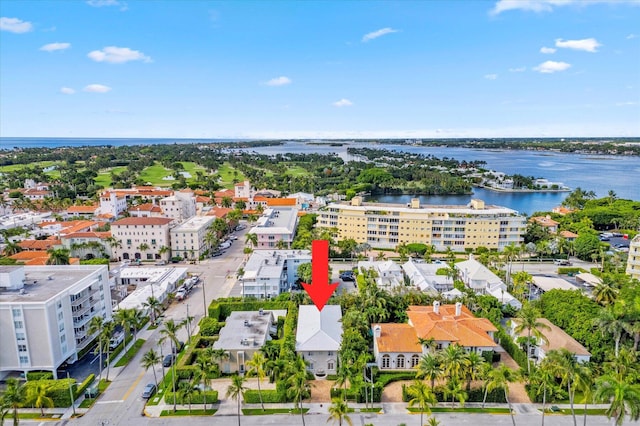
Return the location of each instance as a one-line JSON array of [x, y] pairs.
[[115, 401], [126, 395]]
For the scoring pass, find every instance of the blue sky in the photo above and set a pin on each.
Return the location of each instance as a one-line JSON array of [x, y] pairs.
[[303, 69]]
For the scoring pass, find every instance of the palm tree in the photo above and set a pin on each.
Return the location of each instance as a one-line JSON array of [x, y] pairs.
[[422, 396], [37, 394], [432, 421], [252, 238], [298, 388], [143, 247], [544, 375], [150, 360], [453, 360], [236, 391], [605, 293], [154, 306], [96, 325], [123, 317], [455, 390], [11, 248], [58, 256], [15, 397], [188, 388], [430, 367], [205, 367], [566, 370], [170, 331], [256, 367], [585, 383], [338, 411], [107, 331], [609, 322], [474, 366], [623, 397], [499, 378], [529, 318]]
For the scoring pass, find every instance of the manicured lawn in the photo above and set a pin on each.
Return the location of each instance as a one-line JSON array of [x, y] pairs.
[[365, 410], [154, 174], [267, 411], [41, 164], [88, 402], [192, 168], [296, 171], [104, 177], [489, 410], [33, 416], [133, 350], [194, 412], [226, 175], [578, 411]]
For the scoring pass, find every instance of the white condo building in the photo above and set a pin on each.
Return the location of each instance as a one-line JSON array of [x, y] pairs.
[[271, 272], [45, 313], [180, 206], [275, 224], [188, 239]]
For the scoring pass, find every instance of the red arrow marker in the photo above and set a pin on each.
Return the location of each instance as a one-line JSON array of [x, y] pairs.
[[321, 290]]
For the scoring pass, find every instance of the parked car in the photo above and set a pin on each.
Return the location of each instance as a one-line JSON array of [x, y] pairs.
[[161, 263], [347, 276], [233, 237], [563, 262], [168, 360], [179, 348], [116, 340], [149, 390], [216, 254], [240, 227], [181, 294], [224, 245]]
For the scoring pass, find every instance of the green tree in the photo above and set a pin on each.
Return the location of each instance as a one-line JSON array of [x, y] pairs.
[[623, 397], [14, 396], [58, 256], [236, 391], [37, 395], [150, 360], [96, 326], [338, 412], [610, 322], [455, 390], [529, 320], [170, 331], [256, 367], [297, 386], [499, 378], [430, 367], [585, 245], [422, 396]]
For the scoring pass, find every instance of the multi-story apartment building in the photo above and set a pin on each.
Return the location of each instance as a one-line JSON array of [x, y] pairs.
[[457, 227], [45, 313], [271, 272], [276, 224], [633, 261], [141, 238], [180, 206], [188, 240], [112, 203]]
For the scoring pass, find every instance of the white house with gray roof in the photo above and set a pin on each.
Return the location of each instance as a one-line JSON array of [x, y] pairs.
[[318, 337], [389, 274], [480, 279]]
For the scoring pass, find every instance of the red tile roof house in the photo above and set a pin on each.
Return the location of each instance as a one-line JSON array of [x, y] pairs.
[[397, 347]]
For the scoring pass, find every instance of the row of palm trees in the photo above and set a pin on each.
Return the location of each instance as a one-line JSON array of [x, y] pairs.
[[17, 395]]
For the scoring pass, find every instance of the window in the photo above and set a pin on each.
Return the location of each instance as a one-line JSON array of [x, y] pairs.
[[386, 361], [415, 359], [16, 312], [60, 316], [330, 365], [22, 348], [24, 359], [400, 361], [20, 336], [18, 324]]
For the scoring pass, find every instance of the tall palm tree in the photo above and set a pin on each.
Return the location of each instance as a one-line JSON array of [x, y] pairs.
[[585, 383], [338, 411], [37, 395], [298, 387], [529, 319], [14, 396], [422, 396], [188, 388], [252, 238], [154, 306], [565, 369], [623, 397], [256, 366], [58, 256], [96, 325], [430, 367], [170, 331], [236, 391], [455, 390], [453, 361], [499, 378], [205, 367], [609, 322], [545, 377], [107, 332], [150, 360], [123, 317], [11, 248], [473, 368]]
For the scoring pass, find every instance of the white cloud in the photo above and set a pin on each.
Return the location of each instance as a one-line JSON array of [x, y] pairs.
[[491, 76], [101, 3], [379, 33], [631, 36], [547, 50], [67, 90], [628, 103], [586, 44], [279, 81], [548, 5], [117, 55], [342, 103], [519, 69], [15, 25], [52, 47], [549, 67], [97, 88]]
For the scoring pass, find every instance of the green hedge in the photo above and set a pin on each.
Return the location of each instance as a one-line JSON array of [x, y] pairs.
[[569, 270], [352, 395], [393, 376], [512, 348], [85, 384], [220, 310], [39, 375], [474, 395], [196, 398], [269, 396], [58, 390], [210, 326]]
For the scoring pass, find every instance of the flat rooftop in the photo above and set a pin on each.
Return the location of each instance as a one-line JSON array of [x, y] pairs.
[[193, 224], [256, 334], [45, 282], [276, 221], [425, 208]]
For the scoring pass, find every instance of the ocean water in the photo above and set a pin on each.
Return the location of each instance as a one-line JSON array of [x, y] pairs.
[[598, 173]]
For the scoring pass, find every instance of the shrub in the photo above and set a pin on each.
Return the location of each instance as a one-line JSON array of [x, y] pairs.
[[474, 395], [58, 390], [85, 384], [220, 310], [512, 348], [39, 375], [196, 398], [268, 396], [210, 326]]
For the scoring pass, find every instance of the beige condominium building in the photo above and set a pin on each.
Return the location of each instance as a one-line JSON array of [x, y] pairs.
[[143, 238], [45, 313], [633, 261], [457, 227], [188, 240]]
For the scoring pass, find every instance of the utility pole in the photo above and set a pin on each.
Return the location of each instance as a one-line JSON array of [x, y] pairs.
[[73, 402], [188, 326]]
